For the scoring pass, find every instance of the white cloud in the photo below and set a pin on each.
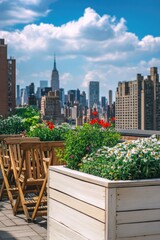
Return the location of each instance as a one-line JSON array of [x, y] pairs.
[[93, 47], [150, 43], [22, 59], [66, 78], [30, 2], [92, 75], [42, 74], [22, 12]]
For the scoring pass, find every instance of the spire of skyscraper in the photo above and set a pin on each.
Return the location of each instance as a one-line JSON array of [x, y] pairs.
[[55, 77], [54, 62]]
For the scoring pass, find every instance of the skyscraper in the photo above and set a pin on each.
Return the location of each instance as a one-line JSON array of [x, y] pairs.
[[24, 97], [71, 97], [138, 103], [55, 77], [18, 98], [103, 103], [32, 97], [7, 81], [156, 97], [83, 101], [110, 98], [61, 96], [93, 95]]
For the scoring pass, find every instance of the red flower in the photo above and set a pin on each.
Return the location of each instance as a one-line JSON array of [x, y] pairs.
[[93, 121], [101, 122], [106, 124], [95, 113], [113, 119], [50, 125]]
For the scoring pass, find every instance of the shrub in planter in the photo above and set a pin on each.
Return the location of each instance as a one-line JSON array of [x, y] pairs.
[[131, 160], [27, 123], [98, 208], [47, 131], [11, 125], [27, 112], [85, 140]]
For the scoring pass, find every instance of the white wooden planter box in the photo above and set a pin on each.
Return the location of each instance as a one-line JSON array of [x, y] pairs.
[[85, 207]]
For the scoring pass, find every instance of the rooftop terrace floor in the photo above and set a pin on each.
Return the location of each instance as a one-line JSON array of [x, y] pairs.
[[17, 228]]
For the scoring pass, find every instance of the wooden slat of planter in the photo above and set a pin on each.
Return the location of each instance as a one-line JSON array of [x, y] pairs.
[[105, 182], [78, 205], [111, 214], [87, 192], [138, 229], [58, 231], [76, 221], [138, 216], [138, 198], [151, 237]]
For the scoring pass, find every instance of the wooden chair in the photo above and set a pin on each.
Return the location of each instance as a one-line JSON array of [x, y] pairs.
[[29, 177], [30, 162], [48, 150], [9, 182], [4, 158], [45, 155]]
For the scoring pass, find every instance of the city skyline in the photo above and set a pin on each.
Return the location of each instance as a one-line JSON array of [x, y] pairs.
[[105, 41]]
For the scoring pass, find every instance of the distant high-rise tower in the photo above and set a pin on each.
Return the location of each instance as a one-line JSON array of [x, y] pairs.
[[32, 97], [103, 103], [61, 96], [7, 81], [110, 98], [24, 97], [93, 96], [18, 98], [55, 77]]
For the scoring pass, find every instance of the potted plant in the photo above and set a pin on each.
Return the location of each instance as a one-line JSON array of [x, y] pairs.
[[86, 139], [122, 202], [52, 137], [11, 125], [47, 131]]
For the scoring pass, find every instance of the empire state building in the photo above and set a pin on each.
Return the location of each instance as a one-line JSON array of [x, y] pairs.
[[55, 77]]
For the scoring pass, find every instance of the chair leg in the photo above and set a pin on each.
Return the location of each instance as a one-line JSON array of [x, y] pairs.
[[6, 184], [39, 199]]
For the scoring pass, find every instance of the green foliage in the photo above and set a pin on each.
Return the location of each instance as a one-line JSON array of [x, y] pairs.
[[11, 125], [20, 122], [45, 133], [84, 140], [29, 122], [27, 112], [30, 117], [138, 159]]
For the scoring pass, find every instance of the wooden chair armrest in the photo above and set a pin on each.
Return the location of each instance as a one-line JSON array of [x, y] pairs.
[[46, 159]]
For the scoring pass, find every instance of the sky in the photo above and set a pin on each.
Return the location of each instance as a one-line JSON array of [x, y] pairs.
[[93, 40]]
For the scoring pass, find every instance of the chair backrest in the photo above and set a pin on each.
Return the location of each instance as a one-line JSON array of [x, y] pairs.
[[3, 136], [13, 146], [33, 159], [49, 150], [16, 140], [3, 145]]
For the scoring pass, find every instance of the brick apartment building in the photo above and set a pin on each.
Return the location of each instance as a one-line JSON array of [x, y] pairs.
[[7, 81], [137, 103], [50, 107]]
